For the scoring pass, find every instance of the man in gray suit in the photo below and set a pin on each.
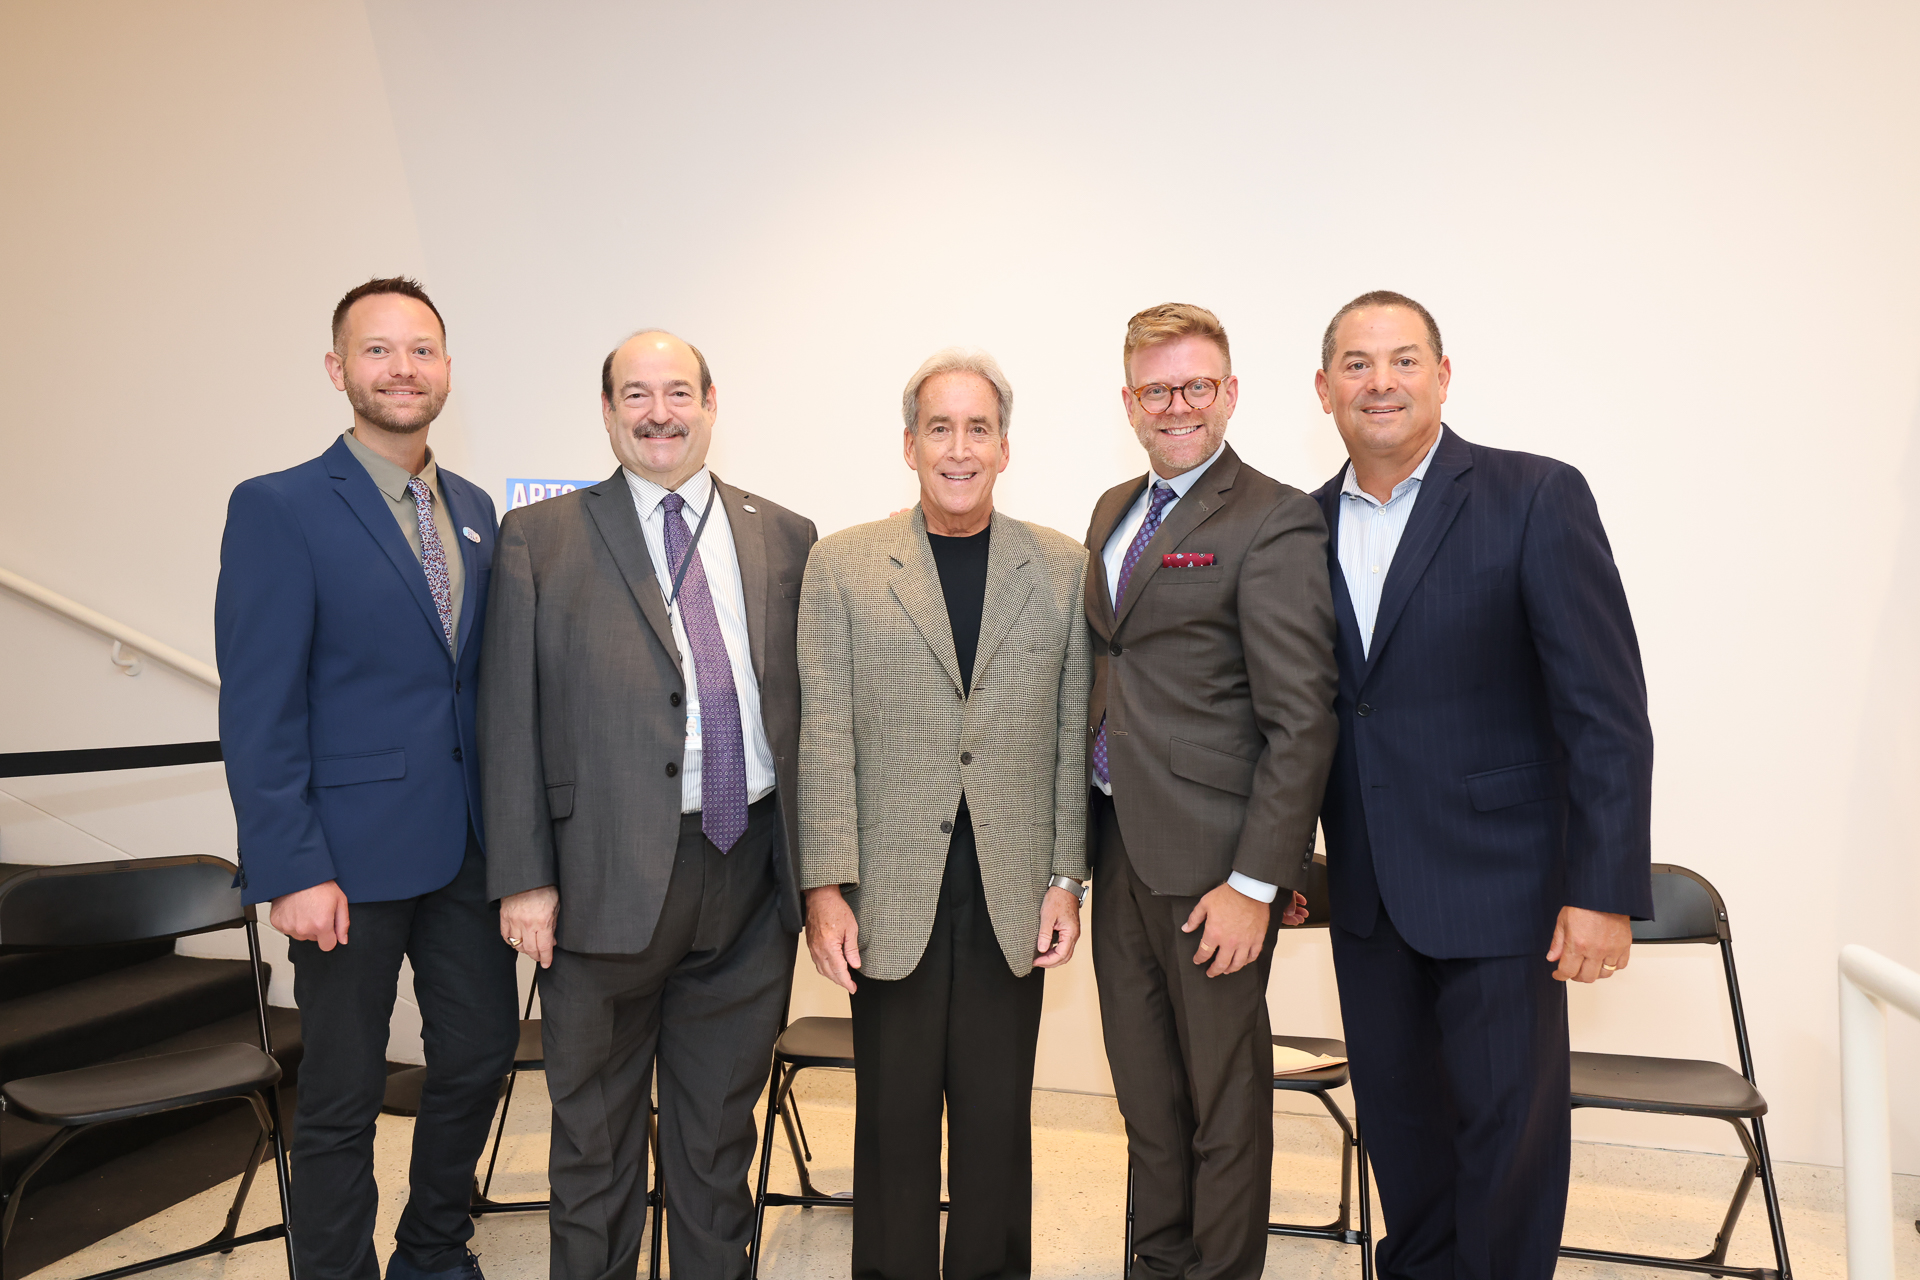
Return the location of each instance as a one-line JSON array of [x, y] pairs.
[[943, 826], [1211, 732], [639, 730]]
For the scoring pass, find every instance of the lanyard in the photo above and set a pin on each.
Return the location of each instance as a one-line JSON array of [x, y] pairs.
[[680, 574]]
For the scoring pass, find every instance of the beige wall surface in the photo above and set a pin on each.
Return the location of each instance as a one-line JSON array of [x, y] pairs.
[[1671, 245]]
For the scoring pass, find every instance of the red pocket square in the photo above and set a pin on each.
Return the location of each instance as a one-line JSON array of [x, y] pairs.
[[1186, 559]]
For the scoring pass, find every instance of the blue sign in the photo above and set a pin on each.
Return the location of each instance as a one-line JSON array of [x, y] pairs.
[[520, 493]]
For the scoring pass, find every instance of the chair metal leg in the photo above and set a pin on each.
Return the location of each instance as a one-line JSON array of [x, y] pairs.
[[19, 1191], [1126, 1267], [797, 1145], [271, 1101], [246, 1181], [1770, 1196], [775, 1084], [659, 1193], [499, 1132], [1366, 1203]]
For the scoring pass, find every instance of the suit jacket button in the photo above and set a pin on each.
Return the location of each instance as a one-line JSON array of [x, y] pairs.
[[673, 770], [1363, 710], [1115, 649], [673, 699], [966, 757], [946, 828], [457, 755]]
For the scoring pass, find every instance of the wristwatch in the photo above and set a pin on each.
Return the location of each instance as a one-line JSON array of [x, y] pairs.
[[1078, 888]]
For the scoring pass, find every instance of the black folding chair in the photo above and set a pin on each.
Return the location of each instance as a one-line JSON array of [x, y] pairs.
[[805, 1044], [145, 899], [1320, 1084], [531, 1055], [1688, 909]]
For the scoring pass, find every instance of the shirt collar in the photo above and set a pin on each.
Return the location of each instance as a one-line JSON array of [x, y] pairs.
[[697, 491], [387, 477], [1351, 487], [1186, 479]]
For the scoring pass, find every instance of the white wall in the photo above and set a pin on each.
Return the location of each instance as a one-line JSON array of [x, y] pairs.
[[1669, 244]]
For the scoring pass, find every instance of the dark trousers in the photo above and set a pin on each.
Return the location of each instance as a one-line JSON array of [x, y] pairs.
[[1192, 1061], [961, 1028], [1460, 1074], [703, 1004], [463, 980]]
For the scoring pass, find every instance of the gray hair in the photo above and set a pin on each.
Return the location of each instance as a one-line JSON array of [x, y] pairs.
[[959, 360]]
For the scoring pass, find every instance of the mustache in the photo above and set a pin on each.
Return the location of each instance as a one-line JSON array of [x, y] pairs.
[[658, 430]]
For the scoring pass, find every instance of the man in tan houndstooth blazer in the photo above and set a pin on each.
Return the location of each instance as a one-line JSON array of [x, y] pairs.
[[944, 672]]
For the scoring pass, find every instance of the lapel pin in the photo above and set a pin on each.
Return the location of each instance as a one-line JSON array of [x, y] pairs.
[[469, 534], [748, 506]]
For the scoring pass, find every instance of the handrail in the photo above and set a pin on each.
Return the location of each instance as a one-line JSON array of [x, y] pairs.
[[118, 632], [1868, 983]]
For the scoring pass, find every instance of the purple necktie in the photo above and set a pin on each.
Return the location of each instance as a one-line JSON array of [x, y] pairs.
[[1163, 497], [723, 755], [433, 556]]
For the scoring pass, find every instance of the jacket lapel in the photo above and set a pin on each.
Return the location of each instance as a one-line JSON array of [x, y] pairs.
[[1352, 659], [463, 625], [1441, 493], [916, 585], [750, 549], [357, 489], [1106, 515], [1201, 502], [610, 506], [1009, 551]]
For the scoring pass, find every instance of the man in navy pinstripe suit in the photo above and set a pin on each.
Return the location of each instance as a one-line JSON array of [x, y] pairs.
[[1487, 815]]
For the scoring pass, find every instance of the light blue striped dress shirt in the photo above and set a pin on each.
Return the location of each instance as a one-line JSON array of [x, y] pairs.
[[1370, 532]]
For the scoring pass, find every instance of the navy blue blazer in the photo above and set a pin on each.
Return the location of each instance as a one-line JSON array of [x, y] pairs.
[[1495, 760], [347, 728]]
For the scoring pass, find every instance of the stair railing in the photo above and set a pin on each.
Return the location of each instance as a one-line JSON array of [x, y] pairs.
[[1868, 983], [128, 644]]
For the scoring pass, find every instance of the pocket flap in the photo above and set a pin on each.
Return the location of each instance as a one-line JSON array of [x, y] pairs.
[[368, 766], [559, 799], [1518, 784], [1211, 768]]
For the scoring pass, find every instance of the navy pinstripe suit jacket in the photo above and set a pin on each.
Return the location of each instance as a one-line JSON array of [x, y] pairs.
[[1495, 759]]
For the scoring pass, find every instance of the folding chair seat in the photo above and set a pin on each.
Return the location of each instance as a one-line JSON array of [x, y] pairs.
[[144, 899], [806, 1044], [1320, 1084], [1687, 909]]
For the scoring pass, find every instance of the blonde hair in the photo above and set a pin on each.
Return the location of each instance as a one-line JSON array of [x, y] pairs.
[[1168, 321], [959, 360]]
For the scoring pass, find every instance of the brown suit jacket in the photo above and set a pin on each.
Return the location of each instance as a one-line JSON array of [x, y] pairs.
[[1217, 683], [581, 706]]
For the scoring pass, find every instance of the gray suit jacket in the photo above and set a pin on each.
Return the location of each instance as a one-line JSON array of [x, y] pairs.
[[1217, 682], [889, 740], [582, 724]]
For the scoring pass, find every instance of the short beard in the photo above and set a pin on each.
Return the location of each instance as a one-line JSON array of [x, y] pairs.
[[367, 404]]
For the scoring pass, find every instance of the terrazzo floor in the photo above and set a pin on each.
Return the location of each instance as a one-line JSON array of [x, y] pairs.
[[1622, 1198]]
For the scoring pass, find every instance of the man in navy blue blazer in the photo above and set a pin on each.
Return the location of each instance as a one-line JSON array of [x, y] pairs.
[[1487, 817], [348, 621]]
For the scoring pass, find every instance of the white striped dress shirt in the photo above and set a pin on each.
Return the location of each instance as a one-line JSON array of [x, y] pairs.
[[1370, 532]]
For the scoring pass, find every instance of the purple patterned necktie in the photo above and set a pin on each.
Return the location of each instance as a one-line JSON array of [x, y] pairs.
[[723, 755], [1163, 497], [433, 556]]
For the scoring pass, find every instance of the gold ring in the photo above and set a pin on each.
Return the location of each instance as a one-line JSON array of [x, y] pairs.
[[513, 942], [1608, 967]]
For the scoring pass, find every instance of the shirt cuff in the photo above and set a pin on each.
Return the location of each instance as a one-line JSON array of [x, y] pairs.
[[1258, 890]]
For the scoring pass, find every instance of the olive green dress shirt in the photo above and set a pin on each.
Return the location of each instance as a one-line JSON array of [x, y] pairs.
[[391, 481]]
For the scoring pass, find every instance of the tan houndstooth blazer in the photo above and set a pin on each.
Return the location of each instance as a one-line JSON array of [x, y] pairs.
[[888, 741]]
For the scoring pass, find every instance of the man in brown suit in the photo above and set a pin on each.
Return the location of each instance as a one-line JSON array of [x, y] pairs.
[[639, 730], [1211, 731]]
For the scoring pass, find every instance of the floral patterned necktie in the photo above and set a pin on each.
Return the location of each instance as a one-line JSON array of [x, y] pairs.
[[433, 556]]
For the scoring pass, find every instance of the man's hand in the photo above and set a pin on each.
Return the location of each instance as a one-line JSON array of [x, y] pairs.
[[527, 922], [1236, 930], [1059, 915], [1296, 912], [1589, 944], [833, 935], [317, 915]]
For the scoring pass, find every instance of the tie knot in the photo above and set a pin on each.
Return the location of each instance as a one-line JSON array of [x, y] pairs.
[[674, 504], [1163, 496], [421, 492]]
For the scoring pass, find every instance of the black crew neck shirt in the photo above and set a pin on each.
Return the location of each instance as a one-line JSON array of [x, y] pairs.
[[962, 563]]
